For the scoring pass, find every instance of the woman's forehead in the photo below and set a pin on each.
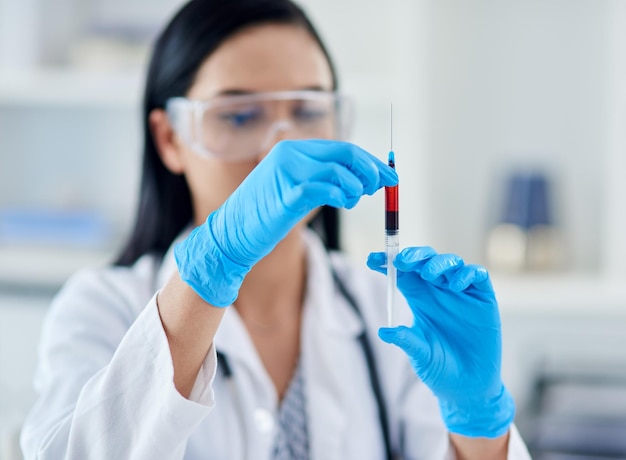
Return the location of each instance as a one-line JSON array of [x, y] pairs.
[[270, 57]]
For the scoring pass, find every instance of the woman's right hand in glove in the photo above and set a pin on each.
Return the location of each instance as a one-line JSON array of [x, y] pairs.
[[295, 178]]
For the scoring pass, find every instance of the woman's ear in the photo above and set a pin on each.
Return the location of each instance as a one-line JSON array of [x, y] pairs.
[[166, 142]]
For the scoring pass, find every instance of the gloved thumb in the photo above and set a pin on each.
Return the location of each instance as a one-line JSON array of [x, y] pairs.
[[410, 340], [377, 261]]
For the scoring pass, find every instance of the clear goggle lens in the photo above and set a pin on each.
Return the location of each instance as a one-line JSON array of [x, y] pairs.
[[242, 127]]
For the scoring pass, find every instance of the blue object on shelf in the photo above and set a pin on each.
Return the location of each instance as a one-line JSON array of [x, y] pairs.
[[538, 206], [78, 228], [516, 202], [526, 200]]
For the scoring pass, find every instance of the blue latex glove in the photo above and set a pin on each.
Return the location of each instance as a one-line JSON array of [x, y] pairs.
[[454, 344], [295, 178]]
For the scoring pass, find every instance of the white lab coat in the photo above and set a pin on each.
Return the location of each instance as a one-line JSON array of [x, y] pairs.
[[105, 377]]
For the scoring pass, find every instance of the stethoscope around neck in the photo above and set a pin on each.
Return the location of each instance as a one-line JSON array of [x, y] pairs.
[[224, 365]]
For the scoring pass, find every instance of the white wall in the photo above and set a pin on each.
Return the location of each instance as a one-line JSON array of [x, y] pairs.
[[20, 325], [614, 229], [514, 83]]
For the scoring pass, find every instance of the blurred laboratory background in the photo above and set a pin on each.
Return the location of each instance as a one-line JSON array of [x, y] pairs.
[[510, 141]]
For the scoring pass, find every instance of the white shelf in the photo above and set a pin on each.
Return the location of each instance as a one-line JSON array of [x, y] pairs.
[[46, 267], [71, 88], [565, 294]]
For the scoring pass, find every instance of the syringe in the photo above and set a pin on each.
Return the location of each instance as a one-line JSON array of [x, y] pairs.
[[391, 236]]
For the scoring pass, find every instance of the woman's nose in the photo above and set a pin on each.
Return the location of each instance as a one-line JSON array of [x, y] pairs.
[[278, 131]]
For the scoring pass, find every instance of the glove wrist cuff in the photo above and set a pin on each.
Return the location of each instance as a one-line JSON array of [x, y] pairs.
[[489, 418], [210, 273]]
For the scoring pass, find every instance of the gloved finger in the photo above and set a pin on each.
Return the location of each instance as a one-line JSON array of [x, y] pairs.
[[373, 172], [439, 265], [384, 175], [410, 340], [338, 175], [413, 258], [377, 261], [298, 198], [470, 275]]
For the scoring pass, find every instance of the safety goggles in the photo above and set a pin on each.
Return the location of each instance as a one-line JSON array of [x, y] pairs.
[[242, 127]]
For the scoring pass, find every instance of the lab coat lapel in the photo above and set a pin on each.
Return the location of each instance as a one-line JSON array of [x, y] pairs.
[[329, 327], [232, 339]]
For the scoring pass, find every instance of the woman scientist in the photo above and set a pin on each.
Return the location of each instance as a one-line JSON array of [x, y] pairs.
[[226, 329]]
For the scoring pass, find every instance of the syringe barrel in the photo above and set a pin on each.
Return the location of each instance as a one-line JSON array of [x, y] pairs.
[[392, 241], [391, 251], [392, 223]]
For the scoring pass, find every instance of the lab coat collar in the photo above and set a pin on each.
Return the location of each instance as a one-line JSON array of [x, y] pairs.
[[323, 303]]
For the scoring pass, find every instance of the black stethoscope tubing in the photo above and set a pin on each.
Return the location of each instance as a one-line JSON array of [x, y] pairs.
[[369, 358]]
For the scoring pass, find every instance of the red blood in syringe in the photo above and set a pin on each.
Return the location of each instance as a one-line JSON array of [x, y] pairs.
[[391, 203]]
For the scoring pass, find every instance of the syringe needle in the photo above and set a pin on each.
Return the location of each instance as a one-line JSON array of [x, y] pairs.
[[391, 237]]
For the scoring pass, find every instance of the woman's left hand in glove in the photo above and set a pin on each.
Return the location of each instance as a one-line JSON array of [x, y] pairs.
[[454, 344]]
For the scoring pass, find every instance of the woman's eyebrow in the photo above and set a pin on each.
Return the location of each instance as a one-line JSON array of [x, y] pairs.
[[238, 91]]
